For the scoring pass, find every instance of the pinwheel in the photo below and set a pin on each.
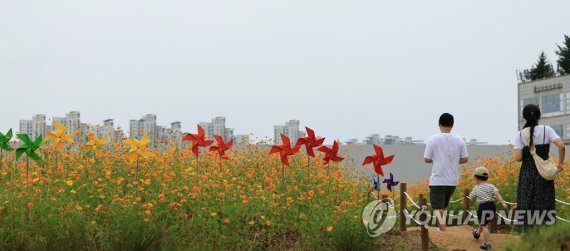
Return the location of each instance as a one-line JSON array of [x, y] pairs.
[[390, 182], [138, 148], [375, 187], [375, 183], [310, 142], [198, 140], [378, 160], [60, 137], [5, 144], [5, 141], [29, 147], [95, 143], [285, 150], [331, 153], [221, 147]]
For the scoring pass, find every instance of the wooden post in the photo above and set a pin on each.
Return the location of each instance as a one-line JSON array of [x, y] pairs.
[[384, 198], [465, 204], [424, 231], [403, 205]]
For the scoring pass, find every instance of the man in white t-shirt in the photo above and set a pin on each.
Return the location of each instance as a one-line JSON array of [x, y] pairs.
[[445, 151]]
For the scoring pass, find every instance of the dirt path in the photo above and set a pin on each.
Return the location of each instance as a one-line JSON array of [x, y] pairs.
[[461, 238]]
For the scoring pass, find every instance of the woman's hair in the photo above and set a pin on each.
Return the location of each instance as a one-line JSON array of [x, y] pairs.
[[531, 113]]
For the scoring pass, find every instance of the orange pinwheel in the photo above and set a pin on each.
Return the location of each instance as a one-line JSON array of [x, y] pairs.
[[285, 150], [331, 153], [378, 160], [221, 147], [310, 142], [198, 140]]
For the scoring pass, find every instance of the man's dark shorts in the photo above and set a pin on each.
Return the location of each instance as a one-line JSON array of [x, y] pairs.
[[440, 196]]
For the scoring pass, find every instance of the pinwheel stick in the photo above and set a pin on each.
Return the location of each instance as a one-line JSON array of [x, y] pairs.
[[56, 163], [282, 176], [197, 164], [379, 185], [137, 168], [27, 170], [308, 166]]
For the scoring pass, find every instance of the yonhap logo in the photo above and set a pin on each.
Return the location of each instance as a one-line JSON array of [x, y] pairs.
[[379, 217]]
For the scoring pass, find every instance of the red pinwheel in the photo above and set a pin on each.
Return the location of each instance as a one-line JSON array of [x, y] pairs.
[[285, 150], [310, 142], [198, 140], [331, 153], [221, 147], [378, 160]]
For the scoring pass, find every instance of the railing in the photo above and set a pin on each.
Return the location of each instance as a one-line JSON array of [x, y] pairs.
[[422, 205]]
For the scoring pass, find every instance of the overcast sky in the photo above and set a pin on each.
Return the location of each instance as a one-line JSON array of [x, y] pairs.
[[345, 68]]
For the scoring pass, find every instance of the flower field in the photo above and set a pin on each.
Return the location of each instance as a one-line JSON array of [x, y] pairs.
[[126, 196], [98, 200]]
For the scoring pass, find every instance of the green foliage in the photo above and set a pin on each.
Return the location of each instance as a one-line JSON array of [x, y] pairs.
[[5, 141], [541, 70], [556, 237], [29, 147], [563, 53]]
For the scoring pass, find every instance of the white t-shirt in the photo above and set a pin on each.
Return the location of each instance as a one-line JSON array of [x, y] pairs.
[[542, 135], [445, 149]]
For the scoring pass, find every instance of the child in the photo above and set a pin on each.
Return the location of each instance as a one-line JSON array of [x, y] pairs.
[[485, 194]]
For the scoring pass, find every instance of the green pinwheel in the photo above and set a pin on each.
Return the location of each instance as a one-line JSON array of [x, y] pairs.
[[29, 147], [5, 144], [5, 141]]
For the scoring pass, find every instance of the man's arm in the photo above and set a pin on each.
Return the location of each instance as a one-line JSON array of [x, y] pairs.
[[464, 156], [428, 154]]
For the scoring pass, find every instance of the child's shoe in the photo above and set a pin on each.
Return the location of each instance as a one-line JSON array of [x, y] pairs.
[[476, 234], [486, 246]]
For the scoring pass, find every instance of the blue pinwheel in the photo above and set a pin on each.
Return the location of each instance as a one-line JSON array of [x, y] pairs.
[[376, 185], [390, 182]]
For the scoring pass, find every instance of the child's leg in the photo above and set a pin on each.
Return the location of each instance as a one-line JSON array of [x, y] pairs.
[[480, 229], [486, 234]]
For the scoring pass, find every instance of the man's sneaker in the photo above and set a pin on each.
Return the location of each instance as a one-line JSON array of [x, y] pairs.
[[476, 234], [486, 246]]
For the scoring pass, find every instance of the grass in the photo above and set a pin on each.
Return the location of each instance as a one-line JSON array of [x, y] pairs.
[[556, 237]]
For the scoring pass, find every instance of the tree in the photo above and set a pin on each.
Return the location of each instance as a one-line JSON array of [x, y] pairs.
[[542, 69], [563, 53]]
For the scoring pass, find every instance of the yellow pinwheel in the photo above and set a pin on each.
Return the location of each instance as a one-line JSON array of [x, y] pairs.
[[60, 137], [138, 148], [95, 143]]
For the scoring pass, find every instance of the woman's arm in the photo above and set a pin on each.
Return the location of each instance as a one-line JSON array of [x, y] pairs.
[[518, 155], [561, 152]]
